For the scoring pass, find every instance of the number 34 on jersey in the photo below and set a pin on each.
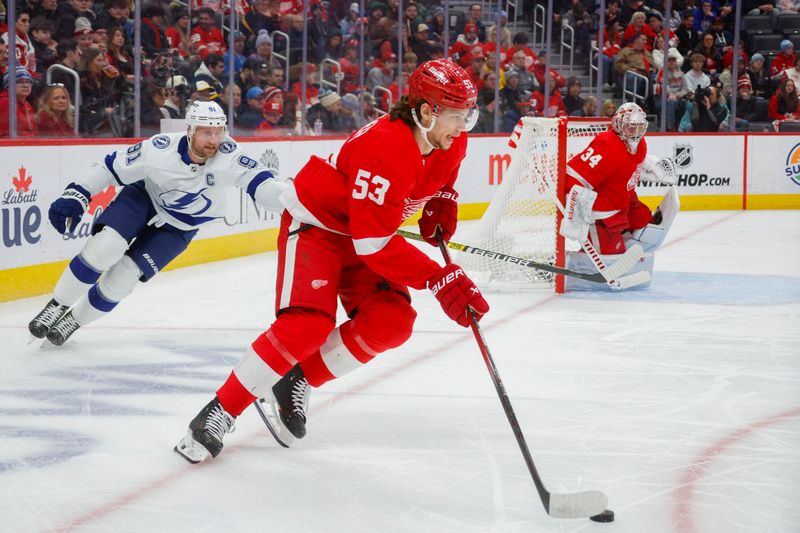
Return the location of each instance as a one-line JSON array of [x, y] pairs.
[[370, 186], [590, 157]]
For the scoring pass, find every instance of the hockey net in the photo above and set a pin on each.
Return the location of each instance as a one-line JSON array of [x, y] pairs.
[[522, 219]]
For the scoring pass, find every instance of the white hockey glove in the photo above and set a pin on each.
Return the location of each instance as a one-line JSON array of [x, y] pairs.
[[578, 213], [658, 170]]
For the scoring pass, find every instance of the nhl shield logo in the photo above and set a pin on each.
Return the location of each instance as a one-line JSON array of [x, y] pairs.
[[683, 155]]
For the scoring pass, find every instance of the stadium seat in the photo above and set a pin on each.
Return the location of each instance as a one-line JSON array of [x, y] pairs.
[[789, 125], [789, 23], [795, 41], [757, 22], [765, 43]]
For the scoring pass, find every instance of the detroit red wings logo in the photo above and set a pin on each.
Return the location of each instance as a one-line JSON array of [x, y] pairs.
[[412, 206]]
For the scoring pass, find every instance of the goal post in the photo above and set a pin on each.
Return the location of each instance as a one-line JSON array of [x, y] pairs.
[[522, 219]]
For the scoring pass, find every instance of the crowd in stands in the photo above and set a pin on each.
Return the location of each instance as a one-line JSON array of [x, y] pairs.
[[188, 58]]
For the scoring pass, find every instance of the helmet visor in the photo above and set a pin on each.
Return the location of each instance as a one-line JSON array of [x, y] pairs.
[[462, 119]]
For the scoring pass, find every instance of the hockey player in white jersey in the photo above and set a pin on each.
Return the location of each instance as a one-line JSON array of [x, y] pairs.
[[171, 185]]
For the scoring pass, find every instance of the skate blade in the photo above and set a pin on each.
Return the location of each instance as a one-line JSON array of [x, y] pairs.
[[269, 414], [191, 450]]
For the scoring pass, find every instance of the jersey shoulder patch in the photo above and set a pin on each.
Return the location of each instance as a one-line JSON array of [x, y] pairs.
[[161, 141], [227, 147]]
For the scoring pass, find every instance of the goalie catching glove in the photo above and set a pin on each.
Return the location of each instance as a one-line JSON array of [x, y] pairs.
[[578, 215], [658, 170], [441, 211], [67, 210], [456, 293]]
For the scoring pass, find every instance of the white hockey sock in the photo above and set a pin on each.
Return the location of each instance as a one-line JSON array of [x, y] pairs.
[[104, 295], [254, 374]]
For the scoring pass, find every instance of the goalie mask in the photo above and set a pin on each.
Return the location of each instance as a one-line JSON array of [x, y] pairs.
[[449, 91], [630, 123], [205, 114]]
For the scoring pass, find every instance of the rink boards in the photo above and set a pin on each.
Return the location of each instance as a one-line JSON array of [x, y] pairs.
[[744, 171]]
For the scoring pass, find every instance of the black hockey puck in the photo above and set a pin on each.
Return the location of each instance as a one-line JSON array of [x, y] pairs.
[[605, 516]]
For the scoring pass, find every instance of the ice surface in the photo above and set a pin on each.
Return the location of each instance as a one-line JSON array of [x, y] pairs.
[[681, 402]]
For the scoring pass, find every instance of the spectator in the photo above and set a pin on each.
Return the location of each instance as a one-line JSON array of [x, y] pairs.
[[555, 104], [352, 23], [512, 92], [747, 110], [153, 100], [588, 109], [675, 88], [761, 7], [695, 77], [253, 115], [350, 106], [43, 44], [274, 77], [635, 27], [263, 51], [705, 114], [382, 74], [490, 67], [787, 6], [327, 111], [612, 45], [573, 100], [26, 53], [758, 77], [436, 25], [488, 80], [178, 32], [117, 53], [368, 109], [581, 22], [784, 104], [520, 44], [726, 78], [67, 54], [476, 68], [486, 107], [612, 12], [527, 81], [318, 31], [713, 60], [204, 92], [794, 72], [312, 83], [294, 29], [464, 44], [629, 8], [273, 115], [206, 39], [239, 58], [101, 88], [84, 35], [608, 108], [26, 117], [3, 56], [177, 92], [704, 15], [505, 34], [351, 66], [47, 9], [634, 59], [782, 61], [115, 14], [521, 108], [154, 40], [420, 43], [655, 30], [688, 37], [333, 47], [723, 39], [539, 66], [474, 16], [224, 99], [263, 16], [410, 62], [210, 71], [67, 13]]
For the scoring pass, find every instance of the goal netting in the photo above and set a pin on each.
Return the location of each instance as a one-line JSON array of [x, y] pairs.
[[522, 219]]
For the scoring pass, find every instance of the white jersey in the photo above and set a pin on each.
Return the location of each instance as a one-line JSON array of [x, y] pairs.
[[185, 194]]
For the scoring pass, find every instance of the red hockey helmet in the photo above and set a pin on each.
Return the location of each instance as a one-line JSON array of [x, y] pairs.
[[442, 83]]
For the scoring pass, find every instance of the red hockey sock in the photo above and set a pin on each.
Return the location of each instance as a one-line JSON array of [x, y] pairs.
[[233, 396]]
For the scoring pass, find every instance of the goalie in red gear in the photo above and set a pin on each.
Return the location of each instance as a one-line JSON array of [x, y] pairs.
[[337, 241], [610, 167]]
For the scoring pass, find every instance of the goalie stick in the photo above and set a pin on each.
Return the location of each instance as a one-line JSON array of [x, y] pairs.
[[617, 270], [584, 504]]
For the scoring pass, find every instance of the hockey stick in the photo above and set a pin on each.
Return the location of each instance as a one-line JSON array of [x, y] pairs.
[[584, 504], [619, 267]]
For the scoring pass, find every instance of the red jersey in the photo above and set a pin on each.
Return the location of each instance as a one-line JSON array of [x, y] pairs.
[[607, 167], [376, 182], [207, 42]]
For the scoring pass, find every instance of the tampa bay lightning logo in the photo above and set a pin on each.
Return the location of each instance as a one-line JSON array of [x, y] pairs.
[[227, 147], [189, 203], [161, 142]]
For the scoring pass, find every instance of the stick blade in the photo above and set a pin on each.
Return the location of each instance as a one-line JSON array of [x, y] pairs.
[[632, 255], [577, 504]]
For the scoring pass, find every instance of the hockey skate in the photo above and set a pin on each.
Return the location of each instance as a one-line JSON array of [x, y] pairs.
[[63, 329], [42, 323], [284, 409], [206, 432]]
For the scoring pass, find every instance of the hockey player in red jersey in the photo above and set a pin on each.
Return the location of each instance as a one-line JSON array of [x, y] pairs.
[[602, 180], [337, 241]]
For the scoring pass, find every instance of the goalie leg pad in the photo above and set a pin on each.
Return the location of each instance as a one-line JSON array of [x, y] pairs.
[[383, 321], [581, 262], [652, 235]]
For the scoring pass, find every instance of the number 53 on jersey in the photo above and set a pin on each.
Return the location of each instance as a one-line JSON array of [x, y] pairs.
[[372, 186]]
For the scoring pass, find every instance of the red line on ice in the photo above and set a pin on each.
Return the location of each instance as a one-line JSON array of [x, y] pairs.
[[700, 466]]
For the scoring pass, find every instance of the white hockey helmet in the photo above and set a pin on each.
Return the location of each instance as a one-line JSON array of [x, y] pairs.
[[205, 114], [630, 123]]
